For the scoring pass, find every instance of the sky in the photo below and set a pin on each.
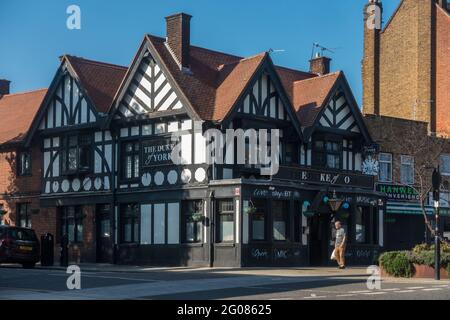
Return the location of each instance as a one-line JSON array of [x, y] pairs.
[[33, 34]]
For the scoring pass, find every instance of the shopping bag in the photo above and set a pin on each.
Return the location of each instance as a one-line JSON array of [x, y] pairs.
[[333, 255]]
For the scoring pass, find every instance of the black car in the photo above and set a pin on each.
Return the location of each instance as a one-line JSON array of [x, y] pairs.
[[19, 245]]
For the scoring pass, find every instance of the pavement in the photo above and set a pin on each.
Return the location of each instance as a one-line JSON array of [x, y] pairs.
[[101, 281]]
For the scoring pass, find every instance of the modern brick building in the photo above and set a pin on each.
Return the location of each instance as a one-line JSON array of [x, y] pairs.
[[406, 103], [406, 64]]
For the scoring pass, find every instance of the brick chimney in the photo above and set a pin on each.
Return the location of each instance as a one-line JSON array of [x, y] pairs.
[[319, 65], [179, 37], [4, 87]]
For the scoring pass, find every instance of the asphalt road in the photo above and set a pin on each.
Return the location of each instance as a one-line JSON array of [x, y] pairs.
[[17, 283]]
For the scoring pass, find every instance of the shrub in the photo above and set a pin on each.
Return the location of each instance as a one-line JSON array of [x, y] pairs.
[[445, 248], [448, 270], [427, 258], [397, 263]]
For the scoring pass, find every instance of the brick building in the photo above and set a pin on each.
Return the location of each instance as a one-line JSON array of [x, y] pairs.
[[406, 87], [406, 64]]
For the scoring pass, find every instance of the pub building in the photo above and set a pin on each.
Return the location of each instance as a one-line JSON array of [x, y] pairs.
[[108, 138]]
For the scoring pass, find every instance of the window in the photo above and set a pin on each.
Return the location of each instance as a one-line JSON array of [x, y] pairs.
[[445, 164], [225, 210], [192, 215], [129, 223], [362, 225], [72, 223], [407, 170], [258, 220], [280, 210], [130, 160], [24, 164], [328, 154], [76, 153], [385, 161], [24, 215]]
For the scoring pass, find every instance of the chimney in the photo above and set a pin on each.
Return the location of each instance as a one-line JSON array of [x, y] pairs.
[[4, 87], [179, 37], [319, 65]]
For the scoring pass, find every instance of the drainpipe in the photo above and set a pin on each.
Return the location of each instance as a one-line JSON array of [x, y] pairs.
[[113, 198], [212, 215]]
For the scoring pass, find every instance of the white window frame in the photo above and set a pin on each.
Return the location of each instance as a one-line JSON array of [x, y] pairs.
[[442, 156], [389, 162], [403, 161]]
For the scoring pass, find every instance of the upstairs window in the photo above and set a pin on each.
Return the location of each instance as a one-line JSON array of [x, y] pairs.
[[407, 170], [130, 160], [76, 153], [385, 173], [24, 164], [328, 154], [445, 164]]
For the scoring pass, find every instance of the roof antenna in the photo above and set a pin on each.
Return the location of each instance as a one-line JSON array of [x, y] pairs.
[[315, 50]]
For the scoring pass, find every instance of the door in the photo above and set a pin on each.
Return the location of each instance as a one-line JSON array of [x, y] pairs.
[[319, 239], [104, 239]]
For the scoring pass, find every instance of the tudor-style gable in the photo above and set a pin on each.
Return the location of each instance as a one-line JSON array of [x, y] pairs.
[[68, 105], [149, 91], [338, 114]]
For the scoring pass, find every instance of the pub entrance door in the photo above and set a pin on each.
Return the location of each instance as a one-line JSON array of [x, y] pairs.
[[103, 234], [319, 239]]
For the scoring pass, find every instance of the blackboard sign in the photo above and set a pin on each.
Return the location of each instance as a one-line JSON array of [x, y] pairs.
[[157, 152]]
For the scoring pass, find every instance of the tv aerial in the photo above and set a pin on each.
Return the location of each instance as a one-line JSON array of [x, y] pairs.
[[318, 50]]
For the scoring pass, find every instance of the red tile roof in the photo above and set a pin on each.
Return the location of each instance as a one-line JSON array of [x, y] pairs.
[[17, 111], [100, 80], [309, 96]]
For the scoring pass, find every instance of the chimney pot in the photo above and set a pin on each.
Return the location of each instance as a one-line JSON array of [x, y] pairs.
[[178, 37], [4, 87], [320, 65]]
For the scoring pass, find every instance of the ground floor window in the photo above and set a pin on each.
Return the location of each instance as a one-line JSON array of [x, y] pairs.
[[192, 215], [129, 223], [362, 222], [225, 219], [24, 215], [258, 219], [280, 213], [72, 223]]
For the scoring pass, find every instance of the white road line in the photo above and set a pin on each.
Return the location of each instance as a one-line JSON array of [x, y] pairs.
[[346, 295], [433, 289], [375, 293], [391, 289], [441, 286], [415, 288], [275, 299], [314, 297], [361, 291], [405, 291]]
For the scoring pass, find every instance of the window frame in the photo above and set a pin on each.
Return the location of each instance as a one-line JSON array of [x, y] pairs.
[[135, 217], [66, 147], [78, 218], [135, 154], [184, 219], [219, 213], [444, 155], [20, 169], [316, 151], [27, 214], [266, 220], [391, 162], [285, 210], [411, 164]]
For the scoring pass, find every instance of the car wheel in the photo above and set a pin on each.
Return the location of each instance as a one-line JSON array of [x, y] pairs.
[[29, 265]]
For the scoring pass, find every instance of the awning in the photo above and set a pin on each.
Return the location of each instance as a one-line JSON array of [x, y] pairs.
[[412, 208]]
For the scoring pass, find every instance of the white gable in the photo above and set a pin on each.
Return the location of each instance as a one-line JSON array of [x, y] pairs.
[[67, 107], [149, 91], [339, 115], [264, 100]]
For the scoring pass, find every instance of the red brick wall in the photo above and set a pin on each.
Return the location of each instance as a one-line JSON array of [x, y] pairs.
[[442, 71]]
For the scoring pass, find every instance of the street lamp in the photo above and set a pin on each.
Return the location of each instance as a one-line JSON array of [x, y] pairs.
[[335, 203], [436, 182]]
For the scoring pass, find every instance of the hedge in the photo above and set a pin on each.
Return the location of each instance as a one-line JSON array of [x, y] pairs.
[[397, 264]]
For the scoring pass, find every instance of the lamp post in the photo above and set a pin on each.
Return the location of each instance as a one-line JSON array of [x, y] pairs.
[[436, 181], [335, 203]]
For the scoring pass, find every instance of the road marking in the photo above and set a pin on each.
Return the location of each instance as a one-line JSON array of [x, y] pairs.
[[441, 286], [346, 295], [433, 289], [405, 291], [391, 289], [361, 291], [415, 288], [375, 293], [314, 297], [275, 299]]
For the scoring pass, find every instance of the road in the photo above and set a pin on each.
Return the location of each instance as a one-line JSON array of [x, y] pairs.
[[199, 284]]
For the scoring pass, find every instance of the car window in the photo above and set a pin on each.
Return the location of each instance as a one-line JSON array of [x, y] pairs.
[[22, 234]]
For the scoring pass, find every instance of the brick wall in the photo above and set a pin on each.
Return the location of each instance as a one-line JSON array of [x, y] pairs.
[[443, 71]]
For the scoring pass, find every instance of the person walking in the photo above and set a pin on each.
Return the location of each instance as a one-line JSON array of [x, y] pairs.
[[339, 245]]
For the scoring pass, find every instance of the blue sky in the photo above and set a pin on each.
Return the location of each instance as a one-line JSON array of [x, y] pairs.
[[34, 34]]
